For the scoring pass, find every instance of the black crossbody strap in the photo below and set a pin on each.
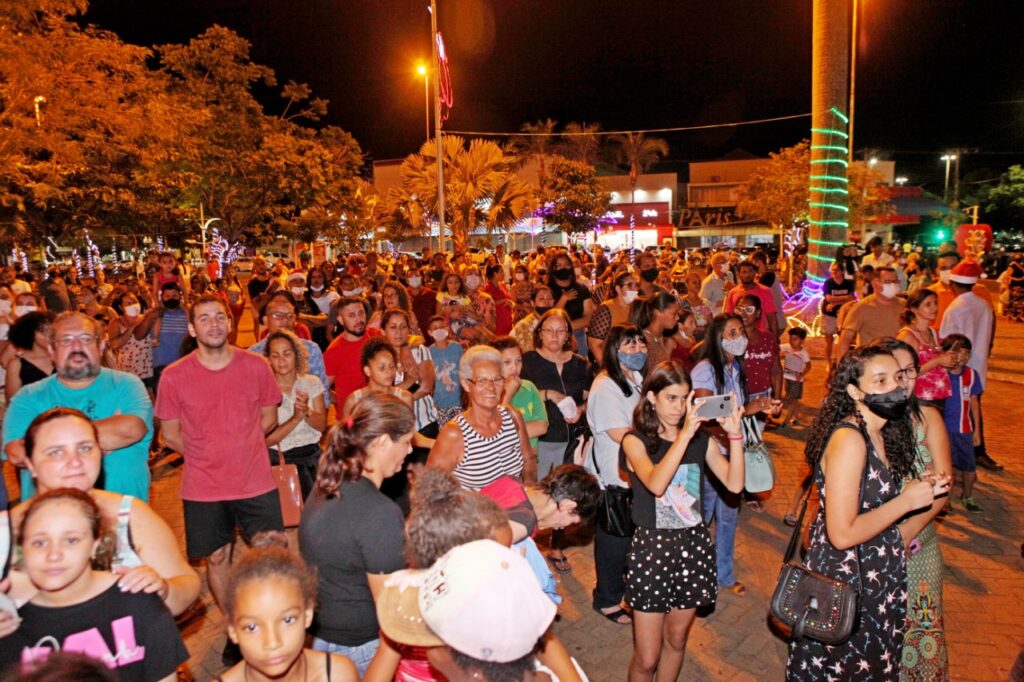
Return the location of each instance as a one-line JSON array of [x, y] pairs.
[[794, 539]]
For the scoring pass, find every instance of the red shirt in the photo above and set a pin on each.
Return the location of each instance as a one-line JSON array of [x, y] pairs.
[[219, 410], [342, 361], [759, 290], [503, 315]]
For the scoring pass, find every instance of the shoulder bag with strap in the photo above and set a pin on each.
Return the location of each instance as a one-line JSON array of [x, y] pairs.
[[812, 604], [759, 471], [289, 490], [615, 509]]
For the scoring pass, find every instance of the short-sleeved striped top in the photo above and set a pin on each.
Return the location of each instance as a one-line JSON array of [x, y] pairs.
[[488, 459]]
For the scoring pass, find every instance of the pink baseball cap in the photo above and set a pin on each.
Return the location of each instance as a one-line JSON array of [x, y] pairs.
[[481, 599]]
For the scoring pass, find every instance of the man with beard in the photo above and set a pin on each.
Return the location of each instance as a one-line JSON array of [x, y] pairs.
[[214, 406], [342, 357], [116, 401]]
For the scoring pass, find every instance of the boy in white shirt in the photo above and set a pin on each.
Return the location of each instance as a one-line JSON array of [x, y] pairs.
[[796, 363]]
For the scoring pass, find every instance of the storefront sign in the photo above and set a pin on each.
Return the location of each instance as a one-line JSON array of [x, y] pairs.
[[652, 213], [707, 217]]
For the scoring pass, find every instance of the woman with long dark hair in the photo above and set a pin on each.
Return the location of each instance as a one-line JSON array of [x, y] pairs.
[[671, 567], [932, 382], [862, 450], [924, 643], [654, 315], [614, 395], [614, 311], [350, 531]]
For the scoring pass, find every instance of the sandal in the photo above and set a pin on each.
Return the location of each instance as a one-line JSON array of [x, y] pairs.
[[756, 506], [617, 615], [737, 588], [789, 520], [561, 564]]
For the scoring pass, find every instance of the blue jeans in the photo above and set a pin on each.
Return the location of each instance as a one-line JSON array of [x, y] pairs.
[[724, 506], [360, 655]]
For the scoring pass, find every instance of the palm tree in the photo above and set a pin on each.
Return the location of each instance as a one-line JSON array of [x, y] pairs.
[[480, 185], [580, 143], [539, 145], [638, 152]]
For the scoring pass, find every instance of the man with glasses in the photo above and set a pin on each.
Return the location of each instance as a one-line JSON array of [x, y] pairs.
[[116, 401], [279, 313]]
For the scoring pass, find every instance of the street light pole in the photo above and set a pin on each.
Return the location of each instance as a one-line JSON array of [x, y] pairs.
[[422, 70], [948, 158], [437, 126]]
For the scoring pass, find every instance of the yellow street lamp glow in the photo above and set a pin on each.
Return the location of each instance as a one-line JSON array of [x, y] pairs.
[[421, 70]]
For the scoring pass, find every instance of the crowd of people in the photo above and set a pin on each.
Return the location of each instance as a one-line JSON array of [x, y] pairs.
[[449, 416]]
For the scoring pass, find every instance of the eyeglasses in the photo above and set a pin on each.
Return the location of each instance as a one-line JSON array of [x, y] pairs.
[[746, 309], [555, 332], [484, 382], [84, 339], [906, 374], [282, 316]]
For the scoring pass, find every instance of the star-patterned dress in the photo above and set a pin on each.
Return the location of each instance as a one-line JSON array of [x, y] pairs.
[[879, 566]]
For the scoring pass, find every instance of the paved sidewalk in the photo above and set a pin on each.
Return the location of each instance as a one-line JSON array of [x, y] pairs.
[[984, 591]]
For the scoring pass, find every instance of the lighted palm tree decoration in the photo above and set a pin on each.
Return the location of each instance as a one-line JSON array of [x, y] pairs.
[[637, 152], [580, 142], [539, 144]]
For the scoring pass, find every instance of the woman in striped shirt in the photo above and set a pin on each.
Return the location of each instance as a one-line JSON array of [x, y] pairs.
[[489, 439]]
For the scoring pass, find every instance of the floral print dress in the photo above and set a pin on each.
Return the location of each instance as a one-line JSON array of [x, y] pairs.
[[878, 567]]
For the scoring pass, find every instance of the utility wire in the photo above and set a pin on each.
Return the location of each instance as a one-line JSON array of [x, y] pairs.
[[734, 124]]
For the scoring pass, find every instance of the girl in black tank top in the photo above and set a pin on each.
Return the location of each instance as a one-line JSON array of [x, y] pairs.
[[269, 603], [670, 569]]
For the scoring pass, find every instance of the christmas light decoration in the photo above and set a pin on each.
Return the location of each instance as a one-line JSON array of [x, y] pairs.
[[76, 258], [222, 252], [444, 79]]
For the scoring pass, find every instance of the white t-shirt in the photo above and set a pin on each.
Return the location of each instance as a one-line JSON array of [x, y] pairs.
[[971, 316], [880, 262], [608, 408], [303, 434], [793, 362]]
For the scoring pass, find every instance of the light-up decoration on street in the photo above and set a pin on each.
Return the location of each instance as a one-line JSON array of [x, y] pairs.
[[92, 254], [828, 192], [160, 243], [114, 255], [222, 251], [76, 258], [444, 79]]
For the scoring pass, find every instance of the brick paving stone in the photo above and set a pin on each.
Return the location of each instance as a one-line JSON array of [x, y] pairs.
[[984, 587]]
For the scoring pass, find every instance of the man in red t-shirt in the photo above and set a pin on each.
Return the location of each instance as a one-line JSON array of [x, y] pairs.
[[341, 359], [214, 406], [747, 271]]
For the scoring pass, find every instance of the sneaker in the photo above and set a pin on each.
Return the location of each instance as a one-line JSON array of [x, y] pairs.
[[986, 462], [969, 504]]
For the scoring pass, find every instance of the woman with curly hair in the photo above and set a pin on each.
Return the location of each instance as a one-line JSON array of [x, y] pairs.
[[863, 453]]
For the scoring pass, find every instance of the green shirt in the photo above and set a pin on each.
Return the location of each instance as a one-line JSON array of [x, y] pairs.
[[528, 401]]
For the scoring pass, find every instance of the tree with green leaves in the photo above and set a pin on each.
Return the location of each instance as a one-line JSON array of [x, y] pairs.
[[575, 199], [580, 142], [637, 152], [777, 191], [481, 188], [538, 144], [1005, 201]]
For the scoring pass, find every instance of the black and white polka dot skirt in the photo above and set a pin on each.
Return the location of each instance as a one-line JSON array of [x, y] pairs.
[[671, 569]]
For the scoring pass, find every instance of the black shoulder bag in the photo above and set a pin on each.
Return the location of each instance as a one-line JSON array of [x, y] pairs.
[[811, 604], [615, 509]]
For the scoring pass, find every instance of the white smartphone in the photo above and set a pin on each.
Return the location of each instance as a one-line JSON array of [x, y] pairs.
[[715, 406]]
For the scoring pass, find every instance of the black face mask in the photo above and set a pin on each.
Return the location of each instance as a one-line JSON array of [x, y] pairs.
[[891, 405], [649, 275], [563, 273], [541, 310], [671, 331], [172, 303]]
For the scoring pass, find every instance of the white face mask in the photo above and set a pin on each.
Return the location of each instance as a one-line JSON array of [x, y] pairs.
[[439, 334], [317, 288], [20, 310], [472, 282], [944, 276], [735, 347], [415, 282], [890, 289], [354, 292], [630, 295], [5, 306], [297, 292], [132, 310], [520, 276]]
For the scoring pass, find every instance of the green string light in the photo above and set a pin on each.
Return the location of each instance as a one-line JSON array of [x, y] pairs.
[[831, 131], [824, 259], [828, 190], [834, 147], [824, 242], [829, 161], [841, 115], [837, 207], [829, 223], [830, 178]]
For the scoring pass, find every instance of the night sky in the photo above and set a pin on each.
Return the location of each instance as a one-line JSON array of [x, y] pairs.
[[932, 74]]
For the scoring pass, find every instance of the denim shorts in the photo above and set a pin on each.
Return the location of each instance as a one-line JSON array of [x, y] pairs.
[[361, 654]]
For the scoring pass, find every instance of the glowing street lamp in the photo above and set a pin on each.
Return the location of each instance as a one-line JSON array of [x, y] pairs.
[[422, 70]]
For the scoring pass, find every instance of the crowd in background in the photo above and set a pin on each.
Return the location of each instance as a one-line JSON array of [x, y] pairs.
[[443, 408]]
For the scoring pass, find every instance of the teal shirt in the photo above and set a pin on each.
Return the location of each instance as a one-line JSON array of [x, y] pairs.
[[112, 392], [528, 401]]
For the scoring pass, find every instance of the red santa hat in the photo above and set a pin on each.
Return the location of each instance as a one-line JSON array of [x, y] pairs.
[[966, 272]]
